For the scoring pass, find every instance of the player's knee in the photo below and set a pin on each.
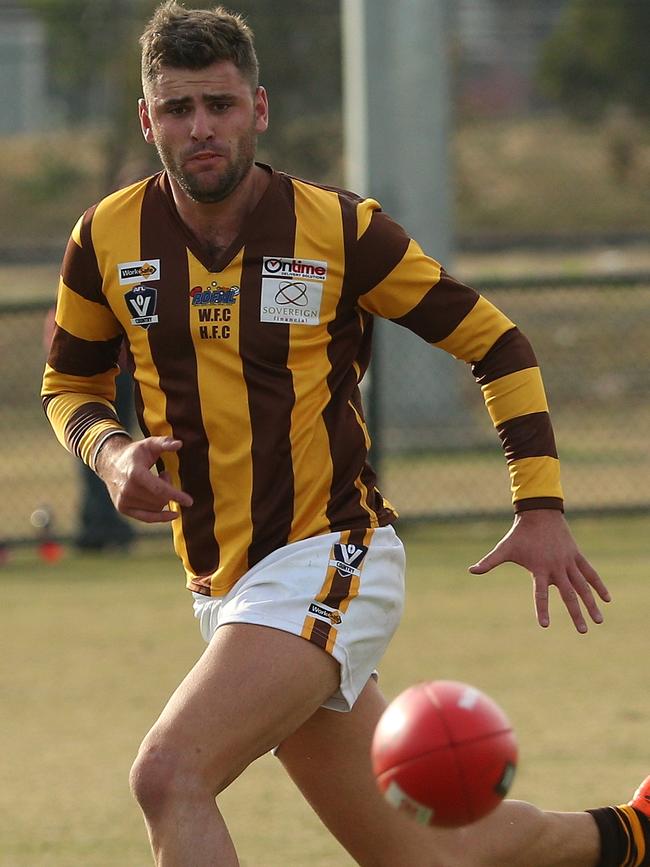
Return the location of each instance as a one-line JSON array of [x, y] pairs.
[[158, 776], [165, 773]]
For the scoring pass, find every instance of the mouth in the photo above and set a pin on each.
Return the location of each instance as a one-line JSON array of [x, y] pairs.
[[204, 157]]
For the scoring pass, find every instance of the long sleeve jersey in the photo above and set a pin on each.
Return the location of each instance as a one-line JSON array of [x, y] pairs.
[[254, 362]]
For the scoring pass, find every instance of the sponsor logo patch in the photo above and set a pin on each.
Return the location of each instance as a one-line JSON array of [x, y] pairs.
[[330, 614], [214, 306], [347, 559], [135, 272], [292, 290], [214, 294], [141, 301]]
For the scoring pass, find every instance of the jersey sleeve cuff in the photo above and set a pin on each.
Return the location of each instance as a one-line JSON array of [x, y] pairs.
[[100, 442], [530, 503]]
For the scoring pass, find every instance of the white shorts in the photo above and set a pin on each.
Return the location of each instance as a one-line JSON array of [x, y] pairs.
[[343, 591]]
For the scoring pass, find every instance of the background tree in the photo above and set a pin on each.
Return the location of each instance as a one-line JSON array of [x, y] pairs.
[[598, 58]]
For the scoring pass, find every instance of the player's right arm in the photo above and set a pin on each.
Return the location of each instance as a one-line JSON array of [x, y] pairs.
[[78, 390]]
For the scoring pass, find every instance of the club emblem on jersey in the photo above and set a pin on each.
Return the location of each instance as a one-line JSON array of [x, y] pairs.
[[141, 301], [134, 272], [347, 559], [292, 290], [214, 294]]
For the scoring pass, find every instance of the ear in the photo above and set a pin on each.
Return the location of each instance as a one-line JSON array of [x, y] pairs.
[[261, 110], [145, 121]]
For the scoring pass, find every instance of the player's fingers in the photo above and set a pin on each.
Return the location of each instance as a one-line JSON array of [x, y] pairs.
[[593, 578], [150, 517], [130, 502], [540, 594], [571, 603], [583, 589], [158, 489], [176, 494], [158, 445], [493, 558]]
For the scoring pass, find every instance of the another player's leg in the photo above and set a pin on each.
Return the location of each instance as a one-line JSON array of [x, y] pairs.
[[625, 831], [345, 797], [252, 686]]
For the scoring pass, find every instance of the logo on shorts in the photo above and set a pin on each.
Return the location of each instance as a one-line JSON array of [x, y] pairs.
[[347, 558], [332, 615]]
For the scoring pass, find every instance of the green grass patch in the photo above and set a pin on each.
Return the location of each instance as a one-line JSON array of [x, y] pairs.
[[93, 646]]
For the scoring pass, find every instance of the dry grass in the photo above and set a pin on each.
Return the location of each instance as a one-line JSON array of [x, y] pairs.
[[93, 646], [46, 183], [546, 175]]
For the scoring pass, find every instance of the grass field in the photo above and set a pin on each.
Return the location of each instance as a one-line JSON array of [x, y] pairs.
[[85, 670]]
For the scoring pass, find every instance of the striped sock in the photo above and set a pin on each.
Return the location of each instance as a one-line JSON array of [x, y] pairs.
[[624, 836]]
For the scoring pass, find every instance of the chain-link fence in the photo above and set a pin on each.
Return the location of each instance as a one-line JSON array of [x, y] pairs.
[[591, 340]]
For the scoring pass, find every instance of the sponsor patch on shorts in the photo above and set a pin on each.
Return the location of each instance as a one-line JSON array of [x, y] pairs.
[[330, 614]]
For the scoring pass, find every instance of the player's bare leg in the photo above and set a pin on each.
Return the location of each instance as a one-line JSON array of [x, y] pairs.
[[252, 686], [348, 802]]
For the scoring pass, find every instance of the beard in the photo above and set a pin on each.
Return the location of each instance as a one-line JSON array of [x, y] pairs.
[[205, 187]]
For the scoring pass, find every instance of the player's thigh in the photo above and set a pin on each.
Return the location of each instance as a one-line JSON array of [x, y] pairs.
[[328, 758], [252, 687]]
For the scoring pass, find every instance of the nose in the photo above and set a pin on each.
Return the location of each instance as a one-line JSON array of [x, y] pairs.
[[201, 125]]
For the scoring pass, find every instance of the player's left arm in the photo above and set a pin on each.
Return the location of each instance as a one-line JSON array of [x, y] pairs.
[[539, 539], [414, 291]]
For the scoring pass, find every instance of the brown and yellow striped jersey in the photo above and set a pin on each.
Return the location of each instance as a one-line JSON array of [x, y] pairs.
[[254, 362]]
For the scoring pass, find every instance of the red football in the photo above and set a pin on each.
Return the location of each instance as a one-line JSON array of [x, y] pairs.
[[444, 752]]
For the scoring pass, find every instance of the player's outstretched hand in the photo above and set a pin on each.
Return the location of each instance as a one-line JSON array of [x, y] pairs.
[[125, 467], [540, 540]]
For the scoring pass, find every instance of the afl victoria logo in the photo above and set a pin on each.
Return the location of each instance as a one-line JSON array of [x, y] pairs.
[[141, 301]]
